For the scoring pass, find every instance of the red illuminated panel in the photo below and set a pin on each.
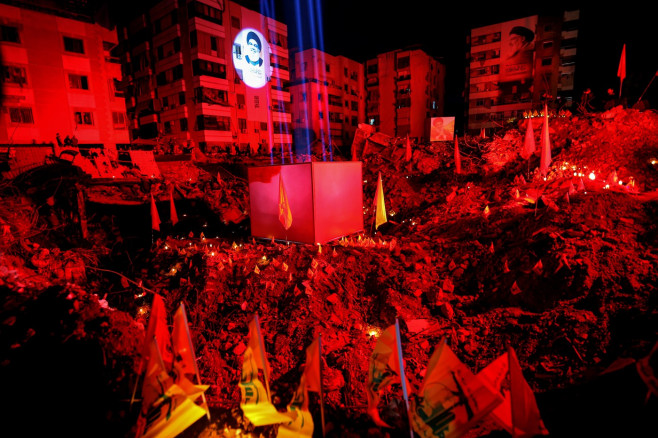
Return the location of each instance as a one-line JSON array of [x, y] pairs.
[[325, 200], [338, 196]]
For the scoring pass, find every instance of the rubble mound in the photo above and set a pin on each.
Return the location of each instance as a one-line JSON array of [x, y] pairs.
[[561, 267]]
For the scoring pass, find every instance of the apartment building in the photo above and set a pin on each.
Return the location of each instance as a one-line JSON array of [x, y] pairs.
[[517, 65], [187, 79], [328, 101], [405, 89], [59, 76]]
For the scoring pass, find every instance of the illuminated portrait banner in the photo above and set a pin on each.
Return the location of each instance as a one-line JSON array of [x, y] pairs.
[[251, 58], [442, 129], [517, 55]]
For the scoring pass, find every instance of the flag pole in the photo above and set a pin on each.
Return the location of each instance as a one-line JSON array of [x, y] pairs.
[[263, 359], [645, 90], [403, 379], [321, 392], [196, 368]]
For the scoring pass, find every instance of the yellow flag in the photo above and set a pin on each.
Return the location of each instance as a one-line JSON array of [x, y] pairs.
[[154, 388], [452, 399], [255, 403], [302, 421], [380, 207], [285, 215], [176, 413], [383, 370]]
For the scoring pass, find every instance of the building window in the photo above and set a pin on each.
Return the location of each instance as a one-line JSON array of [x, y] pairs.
[[74, 45], [548, 44], [119, 120], [321, 115], [355, 121], [242, 124], [181, 98], [198, 9], [403, 62], [165, 102], [547, 61], [328, 68], [21, 115], [213, 43], [167, 127], [84, 118], [256, 101], [263, 126], [193, 39], [345, 71], [78, 82], [235, 22], [213, 123], [10, 34], [13, 75], [183, 125]]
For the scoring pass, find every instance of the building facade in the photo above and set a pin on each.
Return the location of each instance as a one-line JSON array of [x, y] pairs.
[[405, 89], [187, 80], [59, 77], [516, 66], [328, 101]]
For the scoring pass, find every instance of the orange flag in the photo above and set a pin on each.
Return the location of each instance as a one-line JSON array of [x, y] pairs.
[[285, 215], [407, 156], [155, 217], [380, 206], [184, 358], [621, 70], [172, 209], [546, 145], [157, 328], [458, 158], [156, 382], [529, 142]]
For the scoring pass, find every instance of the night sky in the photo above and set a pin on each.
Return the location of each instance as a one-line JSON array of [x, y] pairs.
[[361, 30]]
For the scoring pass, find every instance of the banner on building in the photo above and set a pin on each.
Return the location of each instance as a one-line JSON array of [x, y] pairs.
[[517, 58], [442, 129]]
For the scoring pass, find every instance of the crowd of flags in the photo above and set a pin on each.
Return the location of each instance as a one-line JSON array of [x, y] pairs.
[[451, 400], [172, 396]]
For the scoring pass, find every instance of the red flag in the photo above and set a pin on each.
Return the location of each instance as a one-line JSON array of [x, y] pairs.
[[545, 145], [483, 133], [172, 209], [312, 367], [458, 158], [529, 142], [621, 70], [155, 217], [407, 156], [157, 328], [526, 419], [285, 215]]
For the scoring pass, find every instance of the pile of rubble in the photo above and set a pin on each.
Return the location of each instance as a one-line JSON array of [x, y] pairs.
[[562, 268]]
